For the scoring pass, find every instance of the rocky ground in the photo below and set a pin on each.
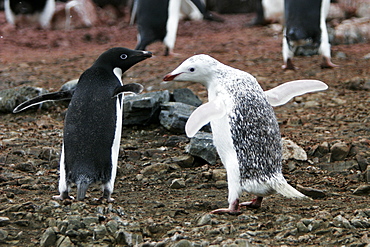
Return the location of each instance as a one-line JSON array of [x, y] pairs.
[[162, 197]]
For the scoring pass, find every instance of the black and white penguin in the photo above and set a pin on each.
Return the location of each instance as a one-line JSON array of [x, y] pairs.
[[305, 28], [40, 10], [157, 20], [245, 130], [93, 123]]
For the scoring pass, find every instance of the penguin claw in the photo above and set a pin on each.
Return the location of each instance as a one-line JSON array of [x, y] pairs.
[[63, 197], [255, 203], [226, 210]]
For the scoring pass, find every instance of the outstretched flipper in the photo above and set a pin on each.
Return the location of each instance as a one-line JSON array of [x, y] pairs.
[[56, 96], [128, 88], [204, 114], [285, 92]]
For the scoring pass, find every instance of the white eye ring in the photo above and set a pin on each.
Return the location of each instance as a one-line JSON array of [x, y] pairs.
[[123, 56]]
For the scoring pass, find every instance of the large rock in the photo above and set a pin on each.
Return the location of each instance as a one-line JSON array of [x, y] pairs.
[[201, 145], [10, 98], [144, 108], [185, 95], [174, 116]]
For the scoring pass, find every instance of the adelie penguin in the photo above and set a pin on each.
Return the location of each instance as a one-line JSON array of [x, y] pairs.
[[305, 30], [245, 130], [41, 10], [157, 20], [93, 123]]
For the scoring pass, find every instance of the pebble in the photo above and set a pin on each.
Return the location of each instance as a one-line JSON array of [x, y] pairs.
[[311, 192], [339, 151], [362, 190], [4, 221], [292, 151], [3, 235], [178, 183], [204, 220], [49, 238]]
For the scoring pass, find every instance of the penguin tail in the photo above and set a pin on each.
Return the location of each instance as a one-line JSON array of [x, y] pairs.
[[82, 187], [282, 187]]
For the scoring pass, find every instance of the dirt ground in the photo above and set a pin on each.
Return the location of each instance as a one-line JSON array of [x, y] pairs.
[[49, 58]]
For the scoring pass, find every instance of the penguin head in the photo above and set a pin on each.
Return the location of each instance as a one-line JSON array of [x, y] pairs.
[[198, 68], [122, 58]]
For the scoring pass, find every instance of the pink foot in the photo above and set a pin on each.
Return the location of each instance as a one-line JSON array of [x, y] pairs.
[[327, 63], [255, 203], [233, 209]]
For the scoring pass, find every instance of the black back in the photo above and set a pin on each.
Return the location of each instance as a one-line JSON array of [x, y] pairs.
[[23, 7], [90, 122], [302, 20], [151, 19]]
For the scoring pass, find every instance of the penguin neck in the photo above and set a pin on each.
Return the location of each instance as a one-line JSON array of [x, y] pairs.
[[118, 73]]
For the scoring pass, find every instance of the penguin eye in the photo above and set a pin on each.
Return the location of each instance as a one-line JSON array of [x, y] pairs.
[[191, 69], [123, 56]]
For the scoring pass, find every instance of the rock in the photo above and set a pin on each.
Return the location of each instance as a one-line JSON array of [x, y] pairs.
[[339, 151], [201, 145], [321, 150], [49, 238], [340, 221], [339, 166], [310, 192], [144, 108], [358, 83], [351, 31], [177, 183], [367, 174], [4, 221], [10, 98], [174, 115], [205, 219], [362, 190], [158, 168], [183, 243], [302, 227], [99, 232], [184, 161], [3, 235], [185, 95], [219, 174], [220, 184], [292, 151], [112, 226], [64, 242], [69, 85], [127, 238]]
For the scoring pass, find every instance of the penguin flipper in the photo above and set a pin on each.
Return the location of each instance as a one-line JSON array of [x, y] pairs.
[[204, 114], [131, 88], [285, 92], [56, 96]]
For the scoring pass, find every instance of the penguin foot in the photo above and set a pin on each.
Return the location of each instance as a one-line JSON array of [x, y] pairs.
[[63, 196], [255, 203], [233, 209], [327, 63], [289, 65]]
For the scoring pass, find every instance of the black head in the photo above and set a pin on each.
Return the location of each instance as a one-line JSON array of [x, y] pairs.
[[122, 58]]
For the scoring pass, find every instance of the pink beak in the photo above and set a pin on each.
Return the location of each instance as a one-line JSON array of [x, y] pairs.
[[170, 77]]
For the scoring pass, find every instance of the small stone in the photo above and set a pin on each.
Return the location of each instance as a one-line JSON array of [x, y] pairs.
[[3, 235], [362, 190], [99, 232], [4, 221], [183, 243], [25, 167], [292, 151], [219, 174], [65, 242], [220, 184], [184, 161], [49, 238], [177, 183], [158, 168], [339, 151], [204, 220], [302, 227], [311, 192]]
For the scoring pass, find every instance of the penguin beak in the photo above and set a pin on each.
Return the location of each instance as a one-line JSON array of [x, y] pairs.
[[147, 54], [170, 77]]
